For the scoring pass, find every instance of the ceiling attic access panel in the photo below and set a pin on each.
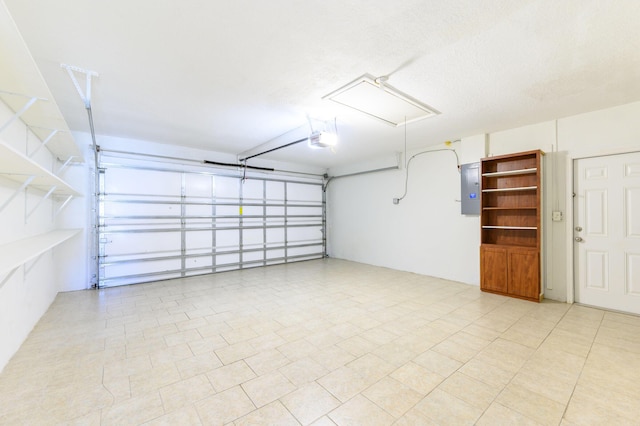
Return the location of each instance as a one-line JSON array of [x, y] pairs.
[[378, 99]]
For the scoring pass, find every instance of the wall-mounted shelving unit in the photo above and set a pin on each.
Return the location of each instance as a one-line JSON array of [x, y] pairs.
[[510, 225], [26, 94], [17, 253]]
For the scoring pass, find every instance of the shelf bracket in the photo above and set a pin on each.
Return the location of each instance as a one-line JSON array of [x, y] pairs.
[[33, 263], [62, 206], [65, 165], [17, 191], [86, 95], [42, 200], [8, 276], [32, 100], [44, 142]]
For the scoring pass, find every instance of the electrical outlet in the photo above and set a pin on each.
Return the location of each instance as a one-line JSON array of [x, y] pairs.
[[556, 216], [396, 201]]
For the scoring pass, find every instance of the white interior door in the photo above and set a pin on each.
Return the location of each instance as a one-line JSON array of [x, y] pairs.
[[607, 231]]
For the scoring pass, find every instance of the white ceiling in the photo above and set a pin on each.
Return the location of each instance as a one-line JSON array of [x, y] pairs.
[[230, 75]]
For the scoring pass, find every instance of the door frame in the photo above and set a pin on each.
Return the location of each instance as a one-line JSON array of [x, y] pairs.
[[571, 273]]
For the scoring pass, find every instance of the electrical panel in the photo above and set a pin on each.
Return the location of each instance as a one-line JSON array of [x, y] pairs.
[[470, 188]]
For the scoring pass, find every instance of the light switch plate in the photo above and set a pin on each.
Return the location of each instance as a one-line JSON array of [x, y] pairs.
[[556, 216]]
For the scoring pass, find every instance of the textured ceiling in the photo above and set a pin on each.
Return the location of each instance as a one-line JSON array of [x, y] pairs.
[[230, 75]]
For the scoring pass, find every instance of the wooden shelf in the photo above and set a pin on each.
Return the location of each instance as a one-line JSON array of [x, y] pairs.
[[20, 81], [521, 228], [517, 188], [17, 253], [19, 168], [511, 172], [509, 208]]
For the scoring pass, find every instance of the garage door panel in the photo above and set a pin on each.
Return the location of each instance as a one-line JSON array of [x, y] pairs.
[[158, 224]]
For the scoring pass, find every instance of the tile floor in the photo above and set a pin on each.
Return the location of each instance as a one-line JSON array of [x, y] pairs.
[[322, 342]]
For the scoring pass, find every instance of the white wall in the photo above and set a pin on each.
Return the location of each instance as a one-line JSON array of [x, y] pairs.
[[427, 234], [422, 234]]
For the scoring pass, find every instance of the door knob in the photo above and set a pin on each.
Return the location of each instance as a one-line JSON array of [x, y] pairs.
[[578, 239], [578, 228]]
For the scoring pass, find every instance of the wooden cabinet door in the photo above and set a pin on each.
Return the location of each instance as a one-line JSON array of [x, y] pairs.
[[493, 269], [524, 272]]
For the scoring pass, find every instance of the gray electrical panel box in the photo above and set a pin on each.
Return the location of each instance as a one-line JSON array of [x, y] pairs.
[[470, 190]]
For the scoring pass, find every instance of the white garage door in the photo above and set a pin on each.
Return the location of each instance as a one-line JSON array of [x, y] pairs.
[[168, 221]]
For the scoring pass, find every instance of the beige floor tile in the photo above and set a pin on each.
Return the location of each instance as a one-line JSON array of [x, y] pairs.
[[532, 405], [396, 354], [414, 417], [505, 354], [446, 409], [438, 363], [127, 366], [303, 371], [267, 388], [360, 411], [323, 421], [487, 373], [136, 410], [371, 367], [333, 357], [499, 415], [238, 335], [271, 414], [231, 375], [392, 396], [357, 346], [91, 419], [160, 331], [154, 379], [546, 384], [344, 383], [297, 349], [182, 337], [470, 390], [455, 350], [185, 392], [207, 344], [567, 342], [482, 332], [224, 407], [620, 403], [309, 403], [170, 354], [417, 378], [583, 410], [184, 416], [267, 361], [233, 353], [267, 341], [197, 364]]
